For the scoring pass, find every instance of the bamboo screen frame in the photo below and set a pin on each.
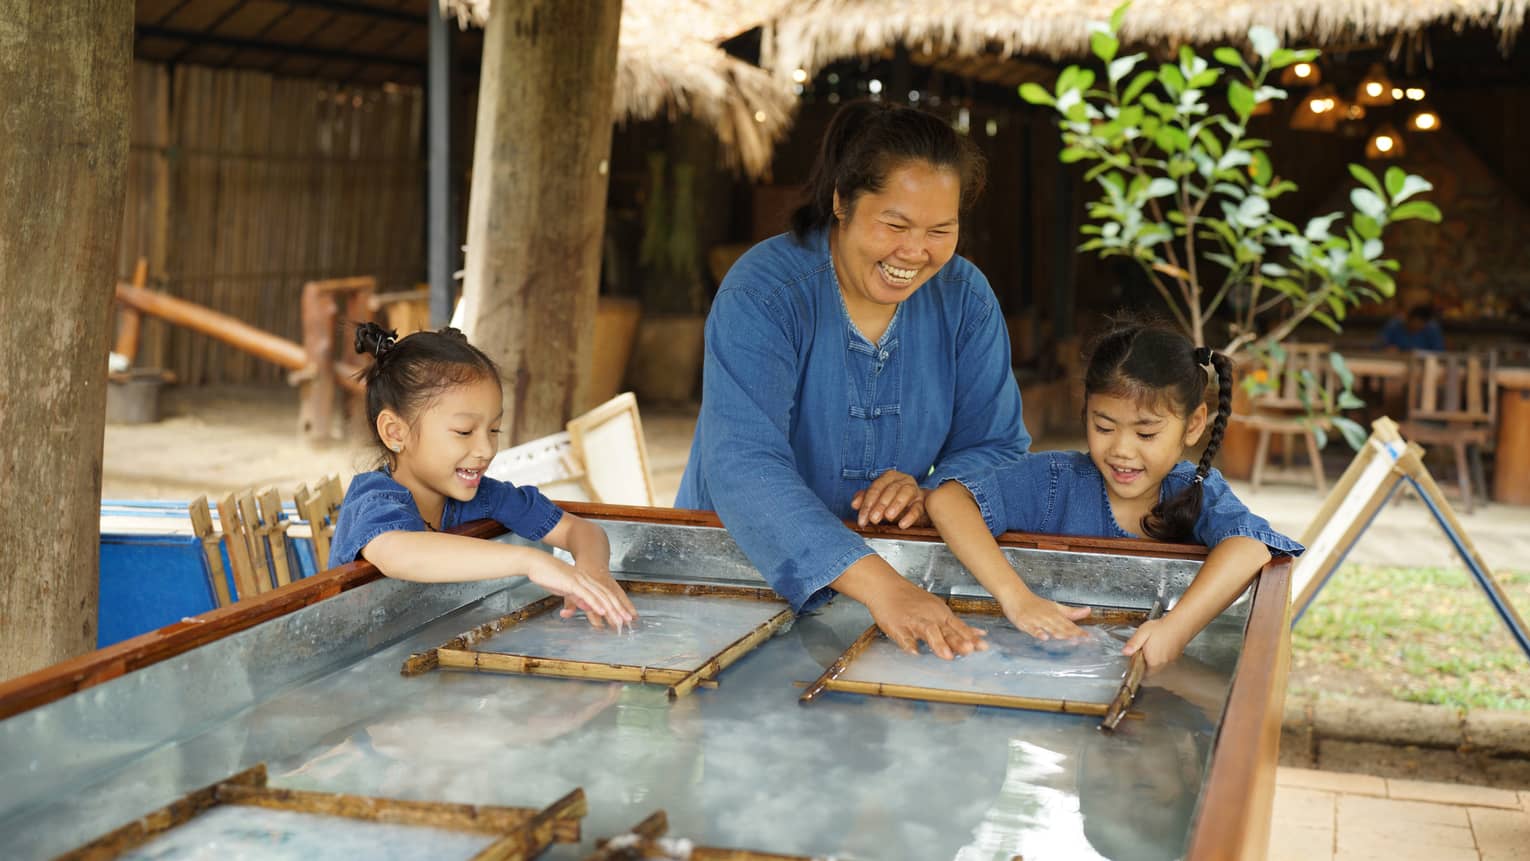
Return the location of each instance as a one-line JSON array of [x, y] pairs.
[[831, 681], [646, 845], [459, 652], [520, 832]]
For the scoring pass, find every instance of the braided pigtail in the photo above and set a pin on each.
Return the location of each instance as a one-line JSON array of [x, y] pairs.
[[1173, 519]]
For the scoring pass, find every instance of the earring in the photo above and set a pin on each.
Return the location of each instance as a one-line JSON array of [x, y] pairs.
[[397, 448]]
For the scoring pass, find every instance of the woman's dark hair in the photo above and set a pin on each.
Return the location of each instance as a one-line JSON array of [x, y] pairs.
[[1149, 361], [865, 142], [408, 373]]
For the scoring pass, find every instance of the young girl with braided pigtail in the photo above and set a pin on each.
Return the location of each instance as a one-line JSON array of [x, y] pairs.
[[1144, 405], [433, 403]]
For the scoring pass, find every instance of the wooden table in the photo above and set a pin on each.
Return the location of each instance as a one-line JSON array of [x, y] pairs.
[[1511, 469]]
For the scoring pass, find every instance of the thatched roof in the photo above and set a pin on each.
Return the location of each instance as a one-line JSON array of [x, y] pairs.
[[810, 34], [669, 62]]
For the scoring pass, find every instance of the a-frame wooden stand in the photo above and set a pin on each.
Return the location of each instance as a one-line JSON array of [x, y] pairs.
[[1384, 463]]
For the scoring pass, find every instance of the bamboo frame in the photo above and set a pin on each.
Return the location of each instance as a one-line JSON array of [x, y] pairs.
[[274, 529], [624, 404], [459, 652], [202, 528], [1130, 682], [520, 832], [647, 846], [831, 681]]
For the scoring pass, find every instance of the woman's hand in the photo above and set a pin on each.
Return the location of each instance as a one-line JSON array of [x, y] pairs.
[[1160, 640], [600, 598], [1043, 619], [892, 494], [908, 615]]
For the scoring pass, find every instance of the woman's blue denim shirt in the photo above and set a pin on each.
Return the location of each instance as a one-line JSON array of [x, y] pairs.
[[799, 411], [375, 503], [1063, 493]]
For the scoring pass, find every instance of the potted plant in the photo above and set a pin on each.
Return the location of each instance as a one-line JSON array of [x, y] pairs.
[[1188, 194]]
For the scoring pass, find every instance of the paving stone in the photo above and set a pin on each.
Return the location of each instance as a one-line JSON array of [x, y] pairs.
[[1372, 847], [1391, 816], [1501, 732], [1330, 781], [1452, 793], [1501, 833], [1296, 843], [1306, 808], [1378, 720]]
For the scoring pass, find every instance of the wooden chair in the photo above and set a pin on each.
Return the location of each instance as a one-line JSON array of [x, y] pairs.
[[1453, 400], [1281, 411]]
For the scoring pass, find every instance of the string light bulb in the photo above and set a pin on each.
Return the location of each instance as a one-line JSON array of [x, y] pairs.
[[1424, 121], [1385, 143], [1376, 88], [800, 76], [1301, 75]]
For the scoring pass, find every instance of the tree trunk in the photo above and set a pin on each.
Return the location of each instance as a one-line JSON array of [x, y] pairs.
[[537, 211], [64, 73]]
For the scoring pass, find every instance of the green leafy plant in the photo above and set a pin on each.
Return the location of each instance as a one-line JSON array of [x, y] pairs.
[[1187, 193]]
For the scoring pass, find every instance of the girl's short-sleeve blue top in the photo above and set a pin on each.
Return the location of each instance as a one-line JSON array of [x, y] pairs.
[[799, 411], [1063, 493], [375, 503]]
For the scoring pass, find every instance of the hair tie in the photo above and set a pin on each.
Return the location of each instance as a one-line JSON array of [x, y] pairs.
[[374, 339], [1198, 478], [1202, 355]]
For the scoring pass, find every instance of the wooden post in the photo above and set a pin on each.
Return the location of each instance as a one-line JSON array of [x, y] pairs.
[[65, 73], [537, 207]]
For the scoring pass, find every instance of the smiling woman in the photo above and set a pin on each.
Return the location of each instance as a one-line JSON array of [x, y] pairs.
[[850, 365]]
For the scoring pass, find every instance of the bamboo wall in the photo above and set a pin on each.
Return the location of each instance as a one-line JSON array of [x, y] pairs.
[[242, 186]]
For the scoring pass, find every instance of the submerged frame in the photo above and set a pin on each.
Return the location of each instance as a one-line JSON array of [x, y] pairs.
[[643, 842], [520, 832], [831, 681], [459, 652]]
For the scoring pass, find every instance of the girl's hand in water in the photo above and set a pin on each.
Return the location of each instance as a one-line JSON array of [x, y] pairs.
[[1043, 619], [894, 497], [601, 576], [1160, 640], [601, 599]]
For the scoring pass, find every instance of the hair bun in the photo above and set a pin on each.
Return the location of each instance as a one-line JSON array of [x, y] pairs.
[[374, 339]]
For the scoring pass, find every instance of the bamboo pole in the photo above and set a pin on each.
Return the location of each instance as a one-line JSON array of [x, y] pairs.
[[737, 649], [502, 662], [971, 698], [840, 664], [548, 826], [235, 332], [1131, 682], [482, 819]]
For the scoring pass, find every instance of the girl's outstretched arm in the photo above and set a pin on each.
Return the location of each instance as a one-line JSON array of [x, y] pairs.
[[587, 543], [955, 513], [1222, 578], [434, 557]]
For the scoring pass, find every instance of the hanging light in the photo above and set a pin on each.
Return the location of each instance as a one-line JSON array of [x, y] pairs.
[[1301, 75], [1414, 94], [1375, 88], [1319, 112], [1385, 143], [1424, 120]]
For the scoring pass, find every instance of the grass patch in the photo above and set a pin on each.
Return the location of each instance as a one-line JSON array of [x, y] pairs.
[[1426, 635]]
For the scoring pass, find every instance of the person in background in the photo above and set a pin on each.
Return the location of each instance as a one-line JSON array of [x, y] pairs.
[[1419, 329], [433, 403]]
